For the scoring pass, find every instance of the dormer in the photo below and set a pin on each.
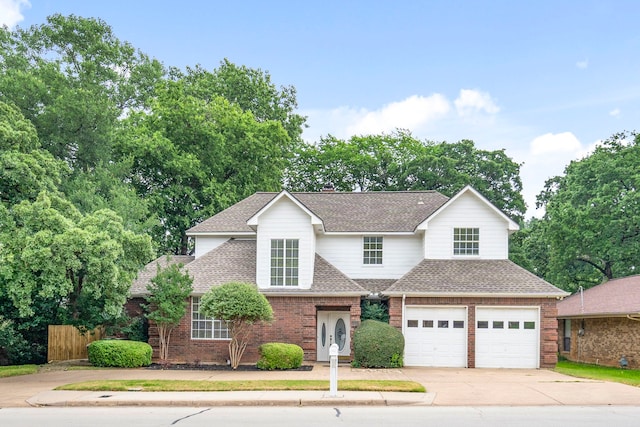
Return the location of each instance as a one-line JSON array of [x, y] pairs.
[[285, 246], [467, 226]]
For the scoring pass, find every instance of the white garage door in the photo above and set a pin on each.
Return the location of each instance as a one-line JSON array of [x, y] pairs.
[[435, 336], [507, 337]]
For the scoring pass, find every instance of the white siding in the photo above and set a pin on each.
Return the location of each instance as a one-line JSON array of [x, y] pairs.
[[285, 220], [206, 243], [399, 255], [467, 212]]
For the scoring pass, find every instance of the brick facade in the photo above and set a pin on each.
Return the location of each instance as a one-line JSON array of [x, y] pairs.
[[604, 342], [294, 323], [548, 322]]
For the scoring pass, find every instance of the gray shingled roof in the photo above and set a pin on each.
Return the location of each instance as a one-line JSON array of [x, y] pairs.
[[375, 285], [472, 277], [139, 286], [377, 211], [617, 297], [235, 261]]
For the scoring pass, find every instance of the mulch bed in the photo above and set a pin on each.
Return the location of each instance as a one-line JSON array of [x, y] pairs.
[[211, 367]]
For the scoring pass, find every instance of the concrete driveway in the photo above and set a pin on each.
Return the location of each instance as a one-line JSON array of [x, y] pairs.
[[445, 387]]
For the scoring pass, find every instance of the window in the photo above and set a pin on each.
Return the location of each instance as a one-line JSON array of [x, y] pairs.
[[206, 328], [529, 325], [466, 241], [443, 323], [284, 262], [497, 324], [514, 325], [483, 324], [458, 324], [412, 323], [427, 323], [372, 253]]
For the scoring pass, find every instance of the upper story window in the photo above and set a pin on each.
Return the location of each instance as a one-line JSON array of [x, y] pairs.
[[207, 328], [284, 262], [466, 241], [372, 250]]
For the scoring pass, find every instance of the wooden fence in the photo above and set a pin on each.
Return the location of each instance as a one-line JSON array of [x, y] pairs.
[[67, 343]]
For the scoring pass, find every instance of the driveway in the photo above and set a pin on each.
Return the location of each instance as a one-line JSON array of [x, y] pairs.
[[445, 386]]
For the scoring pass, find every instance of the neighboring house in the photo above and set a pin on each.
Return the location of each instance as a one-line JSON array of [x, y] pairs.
[[440, 264], [602, 324]]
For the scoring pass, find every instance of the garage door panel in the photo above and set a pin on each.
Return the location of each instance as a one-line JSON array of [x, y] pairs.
[[507, 337], [435, 336]]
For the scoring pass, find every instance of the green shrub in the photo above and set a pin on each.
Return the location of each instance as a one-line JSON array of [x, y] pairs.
[[120, 353], [14, 349], [374, 311], [276, 355], [377, 345]]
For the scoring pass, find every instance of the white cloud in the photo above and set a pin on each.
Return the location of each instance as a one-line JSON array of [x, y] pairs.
[[615, 112], [410, 113], [471, 102], [11, 11], [564, 142], [583, 64]]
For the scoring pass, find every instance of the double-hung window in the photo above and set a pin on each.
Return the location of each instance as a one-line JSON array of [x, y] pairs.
[[466, 241], [372, 250], [206, 328], [284, 262]]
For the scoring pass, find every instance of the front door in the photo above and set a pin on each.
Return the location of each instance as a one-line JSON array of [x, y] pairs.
[[333, 327]]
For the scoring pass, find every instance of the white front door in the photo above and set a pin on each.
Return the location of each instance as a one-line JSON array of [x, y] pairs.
[[333, 327]]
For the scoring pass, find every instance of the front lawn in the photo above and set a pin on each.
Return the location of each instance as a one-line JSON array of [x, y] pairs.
[[182, 385], [596, 372], [11, 371]]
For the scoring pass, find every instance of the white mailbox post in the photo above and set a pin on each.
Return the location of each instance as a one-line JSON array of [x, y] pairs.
[[333, 370]]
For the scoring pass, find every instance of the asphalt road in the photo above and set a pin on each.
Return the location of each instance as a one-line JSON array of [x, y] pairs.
[[561, 416]]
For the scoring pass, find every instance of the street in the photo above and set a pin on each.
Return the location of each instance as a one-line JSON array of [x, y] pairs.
[[565, 416]]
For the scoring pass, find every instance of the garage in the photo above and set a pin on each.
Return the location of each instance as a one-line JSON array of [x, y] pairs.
[[435, 336], [507, 337]]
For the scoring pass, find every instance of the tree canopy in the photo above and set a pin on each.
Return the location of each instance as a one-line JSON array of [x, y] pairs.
[[398, 161], [240, 305], [80, 266], [592, 220]]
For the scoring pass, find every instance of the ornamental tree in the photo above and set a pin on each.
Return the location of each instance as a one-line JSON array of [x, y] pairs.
[[167, 302], [240, 305]]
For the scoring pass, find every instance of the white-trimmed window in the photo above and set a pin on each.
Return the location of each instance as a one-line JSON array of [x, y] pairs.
[[284, 262], [466, 241], [372, 250], [206, 328]]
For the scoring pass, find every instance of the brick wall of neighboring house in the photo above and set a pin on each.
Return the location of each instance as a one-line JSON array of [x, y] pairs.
[[548, 322], [604, 341], [294, 323]]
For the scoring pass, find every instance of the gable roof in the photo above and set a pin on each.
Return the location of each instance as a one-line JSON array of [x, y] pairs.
[[374, 212], [235, 261], [495, 278], [139, 285], [617, 297], [511, 224]]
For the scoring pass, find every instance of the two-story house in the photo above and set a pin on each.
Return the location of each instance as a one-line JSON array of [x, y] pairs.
[[440, 263]]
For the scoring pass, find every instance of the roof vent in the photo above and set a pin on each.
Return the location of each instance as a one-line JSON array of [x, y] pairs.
[[328, 188]]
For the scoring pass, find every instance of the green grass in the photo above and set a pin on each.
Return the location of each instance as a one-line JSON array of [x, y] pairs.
[[596, 372], [180, 385], [11, 371]]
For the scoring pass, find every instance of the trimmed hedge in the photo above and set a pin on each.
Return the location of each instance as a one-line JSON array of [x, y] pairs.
[[119, 353], [276, 355], [377, 345]]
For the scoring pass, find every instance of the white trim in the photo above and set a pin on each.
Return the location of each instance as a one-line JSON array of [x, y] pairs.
[[511, 224], [470, 295], [315, 220], [231, 234]]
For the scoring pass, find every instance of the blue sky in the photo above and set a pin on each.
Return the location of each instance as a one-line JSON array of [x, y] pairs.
[[544, 80]]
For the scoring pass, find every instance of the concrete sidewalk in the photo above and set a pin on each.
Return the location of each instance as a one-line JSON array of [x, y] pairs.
[[445, 387]]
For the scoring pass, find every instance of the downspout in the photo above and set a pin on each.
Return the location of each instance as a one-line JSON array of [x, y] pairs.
[[404, 297]]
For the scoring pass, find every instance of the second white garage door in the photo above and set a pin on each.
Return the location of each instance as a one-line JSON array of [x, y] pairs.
[[507, 337], [435, 336]]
